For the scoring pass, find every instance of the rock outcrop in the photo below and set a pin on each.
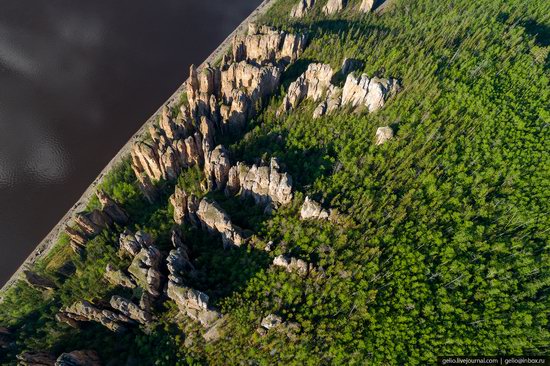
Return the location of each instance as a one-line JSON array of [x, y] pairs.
[[264, 44], [79, 358], [366, 6], [178, 261], [132, 244], [266, 184], [313, 210], [40, 358], [334, 6], [292, 264], [216, 168], [39, 282], [219, 100], [87, 225], [130, 310], [193, 303], [271, 321], [315, 85], [185, 207], [111, 208], [369, 92], [214, 219], [145, 268], [117, 277], [383, 134], [312, 85], [299, 10], [83, 311]]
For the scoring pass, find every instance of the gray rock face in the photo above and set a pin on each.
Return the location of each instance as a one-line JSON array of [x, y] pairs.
[[312, 84], [86, 226], [178, 263], [40, 358], [315, 84], [364, 91], [76, 237], [133, 243], [214, 219], [292, 264], [266, 184], [111, 208], [366, 6], [383, 134], [79, 358], [83, 311], [266, 45], [39, 282], [220, 99], [146, 270], [271, 321], [180, 201], [313, 210], [334, 6], [130, 310], [118, 278], [193, 303], [91, 224], [301, 9], [216, 168]]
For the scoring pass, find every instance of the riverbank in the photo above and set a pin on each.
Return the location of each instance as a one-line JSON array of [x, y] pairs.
[[47, 244]]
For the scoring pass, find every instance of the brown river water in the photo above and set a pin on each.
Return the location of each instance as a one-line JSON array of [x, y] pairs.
[[77, 79]]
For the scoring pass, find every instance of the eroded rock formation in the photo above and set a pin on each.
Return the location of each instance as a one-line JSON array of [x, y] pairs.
[[133, 243], [130, 310], [334, 6], [145, 268], [315, 85], [214, 219], [79, 358], [366, 6], [185, 206], [216, 168], [266, 184], [178, 261], [83, 311], [312, 84], [271, 321], [313, 210], [299, 10], [292, 264], [40, 358], [191, 302], [264, 44], [111, 208], [219, 100], [118, 278], [383, 134], [369, 92], [87, 225]]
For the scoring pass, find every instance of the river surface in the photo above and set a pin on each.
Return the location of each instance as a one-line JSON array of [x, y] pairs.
[[77, 79]]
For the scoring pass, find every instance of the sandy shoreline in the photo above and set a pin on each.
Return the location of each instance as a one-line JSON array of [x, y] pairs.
[[46, 245]]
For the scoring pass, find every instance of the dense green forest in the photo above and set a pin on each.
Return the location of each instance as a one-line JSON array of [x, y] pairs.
[[442, 246]]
